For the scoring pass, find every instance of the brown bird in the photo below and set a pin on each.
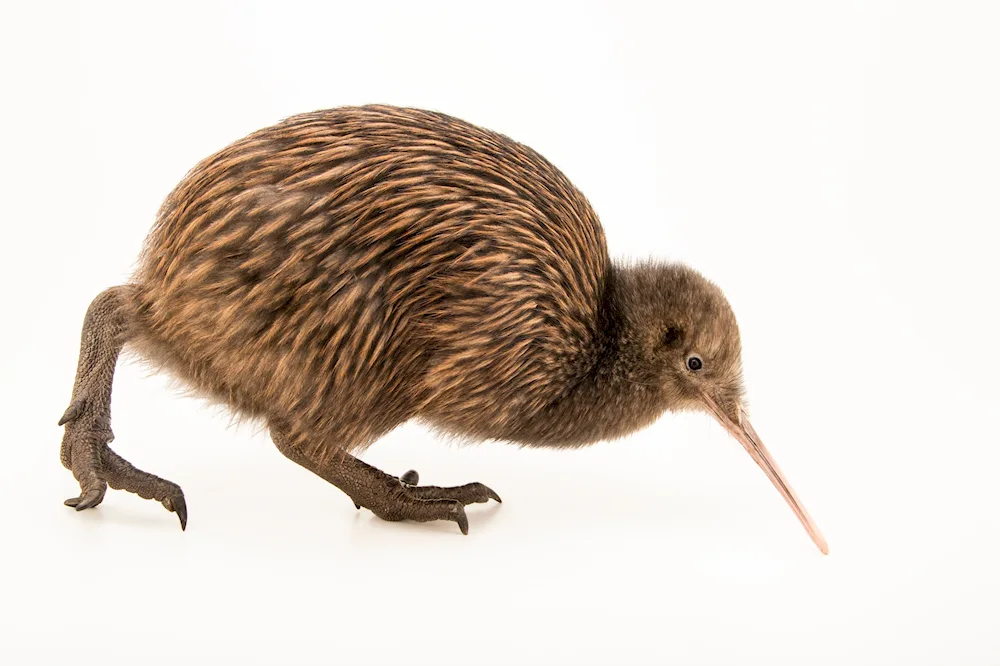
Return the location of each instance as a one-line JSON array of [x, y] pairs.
[[348, 270]]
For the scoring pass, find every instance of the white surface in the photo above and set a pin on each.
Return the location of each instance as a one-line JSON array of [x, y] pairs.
[[834, 166]]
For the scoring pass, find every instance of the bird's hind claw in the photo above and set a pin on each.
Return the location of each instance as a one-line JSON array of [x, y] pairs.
[[73, 411]]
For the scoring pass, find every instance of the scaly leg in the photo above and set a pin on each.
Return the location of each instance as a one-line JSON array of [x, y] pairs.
[[388, 497], [85, 450]]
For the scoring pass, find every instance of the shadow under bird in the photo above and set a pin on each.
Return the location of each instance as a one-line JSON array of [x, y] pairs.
[[345, 271]]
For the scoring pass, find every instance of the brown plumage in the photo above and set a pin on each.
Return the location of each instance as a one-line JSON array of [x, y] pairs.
[[348, 270]]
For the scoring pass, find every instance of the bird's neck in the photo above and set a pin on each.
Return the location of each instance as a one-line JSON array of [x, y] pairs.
[[607, 401]]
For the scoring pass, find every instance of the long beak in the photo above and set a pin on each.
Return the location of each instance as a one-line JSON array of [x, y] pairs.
[[739, 427]]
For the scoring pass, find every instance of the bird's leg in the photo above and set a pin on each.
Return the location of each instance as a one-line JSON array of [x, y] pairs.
[[85, 449], [388, 497]]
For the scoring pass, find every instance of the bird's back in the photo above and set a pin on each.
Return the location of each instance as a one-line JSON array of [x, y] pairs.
[[377, 255]]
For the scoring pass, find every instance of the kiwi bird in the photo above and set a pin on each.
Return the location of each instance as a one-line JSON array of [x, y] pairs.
[[348, 270]]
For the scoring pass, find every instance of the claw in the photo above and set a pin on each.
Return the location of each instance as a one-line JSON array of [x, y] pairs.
[[460, 518], [89, 499], [411, 478], [74, 410], [484, 493], [176, 504], [180, 508]]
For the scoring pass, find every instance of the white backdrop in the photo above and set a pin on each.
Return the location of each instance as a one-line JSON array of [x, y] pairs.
[[833, 166]]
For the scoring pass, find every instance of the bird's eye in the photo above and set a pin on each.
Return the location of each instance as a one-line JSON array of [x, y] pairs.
[[694, 363]]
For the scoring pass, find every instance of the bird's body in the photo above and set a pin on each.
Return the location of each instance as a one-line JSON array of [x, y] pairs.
[[418, 263], [348, 270]]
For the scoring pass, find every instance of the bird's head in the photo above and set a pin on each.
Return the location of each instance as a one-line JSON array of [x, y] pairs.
[[679, 336]]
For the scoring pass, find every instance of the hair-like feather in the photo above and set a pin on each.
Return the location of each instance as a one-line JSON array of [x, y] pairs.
[[347, 270]]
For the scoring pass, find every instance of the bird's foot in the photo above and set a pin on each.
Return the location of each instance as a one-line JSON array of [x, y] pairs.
[[408, 501], [86, 453]]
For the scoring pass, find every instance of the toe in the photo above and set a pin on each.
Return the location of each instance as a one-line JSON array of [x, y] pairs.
[[89, 499], [481, 493]]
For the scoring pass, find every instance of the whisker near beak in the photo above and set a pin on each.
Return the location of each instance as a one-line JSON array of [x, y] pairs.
[[738, 425]]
